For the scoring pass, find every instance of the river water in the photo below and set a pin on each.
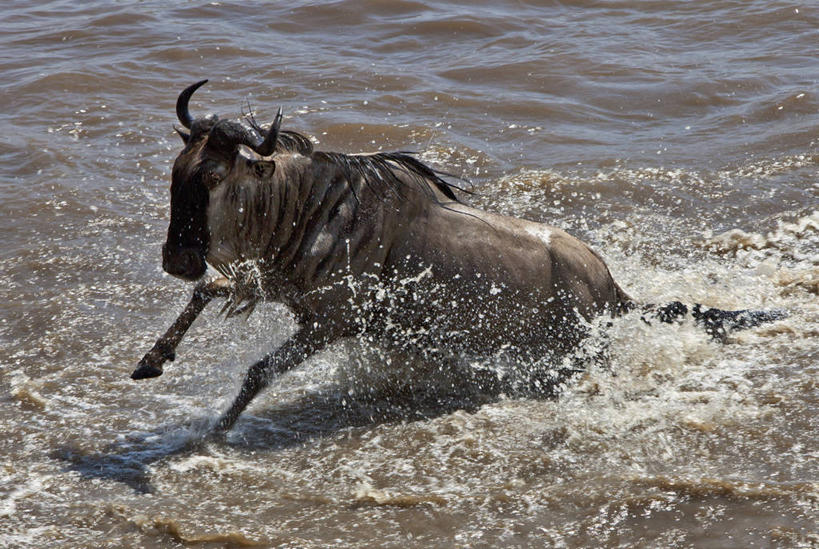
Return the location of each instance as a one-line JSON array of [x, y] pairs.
[[678, 138]]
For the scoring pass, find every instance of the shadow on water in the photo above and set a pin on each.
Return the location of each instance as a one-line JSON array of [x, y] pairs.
[[127, 461], [429, 395], [314, 416]]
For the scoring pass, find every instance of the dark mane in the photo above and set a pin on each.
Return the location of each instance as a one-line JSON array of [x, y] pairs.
[[381, 172], [294, 142]]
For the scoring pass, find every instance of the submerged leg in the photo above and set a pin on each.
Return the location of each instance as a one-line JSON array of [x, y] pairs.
[[292, 353], [165, 347]]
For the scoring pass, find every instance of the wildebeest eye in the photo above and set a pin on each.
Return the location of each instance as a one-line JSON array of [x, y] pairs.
[[263, 168], [211, 178]]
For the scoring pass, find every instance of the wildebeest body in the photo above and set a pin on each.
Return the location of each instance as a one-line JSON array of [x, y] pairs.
[[366, 244], [340, 252]]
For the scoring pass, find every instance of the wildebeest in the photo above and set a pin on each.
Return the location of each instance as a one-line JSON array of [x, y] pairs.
[[377, 244]]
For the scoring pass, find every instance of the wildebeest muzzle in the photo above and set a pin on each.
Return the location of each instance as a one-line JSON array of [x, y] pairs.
[[184, 263]]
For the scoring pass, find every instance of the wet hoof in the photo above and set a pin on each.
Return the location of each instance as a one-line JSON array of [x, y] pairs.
[[217, 436], [151, 363], [145, 371]]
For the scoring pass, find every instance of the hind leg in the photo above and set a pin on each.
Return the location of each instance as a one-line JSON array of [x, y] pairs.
[[293, 352]]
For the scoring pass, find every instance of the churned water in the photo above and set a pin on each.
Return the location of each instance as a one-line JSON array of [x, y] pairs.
[[678, 138]]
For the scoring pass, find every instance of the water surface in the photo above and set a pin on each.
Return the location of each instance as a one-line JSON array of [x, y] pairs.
[[680, 139]]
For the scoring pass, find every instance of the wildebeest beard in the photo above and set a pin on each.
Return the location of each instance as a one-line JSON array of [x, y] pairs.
[[372, 244]]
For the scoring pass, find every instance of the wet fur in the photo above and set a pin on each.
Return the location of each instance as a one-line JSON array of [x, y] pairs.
[[380, 244]]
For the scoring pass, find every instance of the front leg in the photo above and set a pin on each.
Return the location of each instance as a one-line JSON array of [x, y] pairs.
[[165, 347], [293, 352]]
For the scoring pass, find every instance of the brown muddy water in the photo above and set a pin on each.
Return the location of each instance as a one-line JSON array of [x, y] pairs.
[[678, 138]]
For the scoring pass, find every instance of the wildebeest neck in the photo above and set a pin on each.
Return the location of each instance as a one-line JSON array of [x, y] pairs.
[[318, 216]]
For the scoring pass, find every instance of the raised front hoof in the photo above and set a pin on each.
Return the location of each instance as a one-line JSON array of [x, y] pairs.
[[145, 371]]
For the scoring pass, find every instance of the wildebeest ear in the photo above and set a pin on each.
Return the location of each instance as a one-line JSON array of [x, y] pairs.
[[183, 134], [264, 168]]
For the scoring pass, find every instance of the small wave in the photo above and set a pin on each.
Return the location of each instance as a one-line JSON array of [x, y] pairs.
[[178, 532], [706, 487], [368, 495], [787, 235], [25, 391], [789, 255]]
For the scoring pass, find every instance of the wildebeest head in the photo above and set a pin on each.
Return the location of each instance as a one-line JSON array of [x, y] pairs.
[[210, 151]]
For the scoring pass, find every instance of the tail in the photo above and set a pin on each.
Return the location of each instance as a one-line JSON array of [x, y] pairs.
[[716, 322]]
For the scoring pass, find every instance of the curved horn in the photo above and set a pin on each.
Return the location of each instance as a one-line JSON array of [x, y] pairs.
[[182, 104], [268, 144], [227, 135]]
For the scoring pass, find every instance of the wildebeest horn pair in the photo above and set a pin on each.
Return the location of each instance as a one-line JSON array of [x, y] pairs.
[[225, 134]]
